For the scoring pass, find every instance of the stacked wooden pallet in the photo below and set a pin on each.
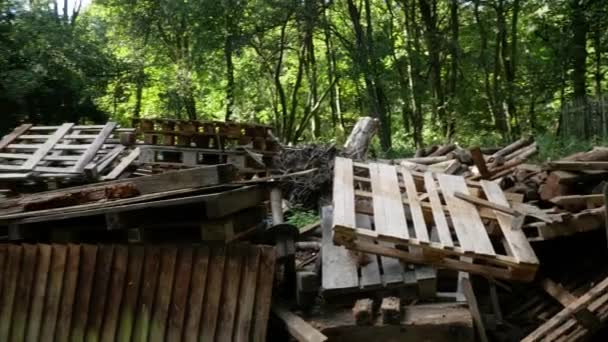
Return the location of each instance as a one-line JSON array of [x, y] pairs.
[[250, 147]]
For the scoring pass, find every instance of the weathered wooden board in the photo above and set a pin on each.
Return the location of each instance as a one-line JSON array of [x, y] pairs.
[[140, 293]]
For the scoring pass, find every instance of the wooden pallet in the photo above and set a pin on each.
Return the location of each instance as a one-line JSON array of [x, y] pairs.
[[205, 134], [462, 243], [187, 156], [140, 293], [54, 150], [343, 274], [581, 316]]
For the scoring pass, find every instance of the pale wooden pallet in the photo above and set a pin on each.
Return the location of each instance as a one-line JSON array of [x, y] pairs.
[[403, 232], [567, 325], [54, 150], [342, 273]]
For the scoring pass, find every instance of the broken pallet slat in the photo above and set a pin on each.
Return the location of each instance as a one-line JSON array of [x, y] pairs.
[[420, 227], [443, 231], [515, 238], [339, 269], [470, 230]]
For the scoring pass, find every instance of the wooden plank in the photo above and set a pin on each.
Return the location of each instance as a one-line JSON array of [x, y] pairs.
[[53, 295], [132, 284], [23, 294], [179, 300], [343, 193], [122, 165], [263, 294], [339, 270], [146, 295], [389, 216], [370, 273], [115, 290], [99, 292], [498, 266], [247, 293], [91, 151], [467, 288], [518, 243], [93, 168], [480, 162], [9, 286], [194, 309], [38, 293], [483, 203], [163, 294], [45, 148], [230, 293], [443, 230], [469, 228], [64, 319], [83, 293], [12, 136], [298, 328], [420, 227], [102, 208], [213, 295]]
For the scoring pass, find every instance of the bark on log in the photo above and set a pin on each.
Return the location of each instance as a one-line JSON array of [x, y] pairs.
[[358, 142]]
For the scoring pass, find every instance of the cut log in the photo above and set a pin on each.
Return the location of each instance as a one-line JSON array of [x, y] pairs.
[[443, 150], [297, 327], [596, 154], [578, 165], [427, 160], [510, 148], [574, 203], [358, 142], [363, 311], [391, 310], [554, 185]]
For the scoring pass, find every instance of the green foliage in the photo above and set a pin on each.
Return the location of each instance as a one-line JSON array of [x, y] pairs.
[[310, 68], [552, 147], [301, 218]]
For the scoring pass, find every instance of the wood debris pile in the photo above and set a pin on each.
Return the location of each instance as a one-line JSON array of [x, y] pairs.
[[452, 244], [505, 249]]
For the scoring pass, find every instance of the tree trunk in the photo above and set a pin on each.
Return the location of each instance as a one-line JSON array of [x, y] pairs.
[[334, 92], [141, 78], [229, 75], [367, 64], [597, 46], [428, 11], [454, 52], [579, 49]]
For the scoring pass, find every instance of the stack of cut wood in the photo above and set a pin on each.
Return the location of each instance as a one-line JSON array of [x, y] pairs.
[[474, 163]]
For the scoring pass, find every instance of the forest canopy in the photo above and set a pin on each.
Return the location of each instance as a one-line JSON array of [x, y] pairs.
[[481, 71]]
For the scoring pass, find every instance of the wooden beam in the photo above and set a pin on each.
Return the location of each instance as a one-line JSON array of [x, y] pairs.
[[297, 327], [487, 204]]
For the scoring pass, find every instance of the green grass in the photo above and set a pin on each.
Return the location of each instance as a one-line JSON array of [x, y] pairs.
[[301, 218]]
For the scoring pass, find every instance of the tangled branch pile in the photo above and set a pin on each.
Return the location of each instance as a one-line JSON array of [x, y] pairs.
[[305, 191]]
